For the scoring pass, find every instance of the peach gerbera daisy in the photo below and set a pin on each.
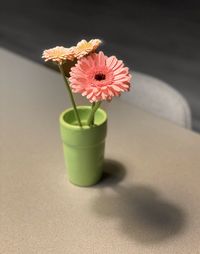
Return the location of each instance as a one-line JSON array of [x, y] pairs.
[[99, 77], [58, 54], [83, 48]]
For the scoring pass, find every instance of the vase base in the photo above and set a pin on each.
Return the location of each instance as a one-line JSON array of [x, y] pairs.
[[89, 184]]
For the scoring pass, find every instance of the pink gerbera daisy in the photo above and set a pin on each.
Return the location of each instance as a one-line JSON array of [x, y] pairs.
[[58, 54], [99, 77]]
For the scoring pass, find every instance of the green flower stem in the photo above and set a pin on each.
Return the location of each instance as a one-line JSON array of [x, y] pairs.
[[94, 109], [70, 94], [93, 105]]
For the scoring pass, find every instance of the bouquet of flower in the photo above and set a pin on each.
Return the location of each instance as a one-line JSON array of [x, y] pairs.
[[94, 75], [83, 128]]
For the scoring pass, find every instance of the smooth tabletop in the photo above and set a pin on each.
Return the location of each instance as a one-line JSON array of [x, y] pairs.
[[147, 202]]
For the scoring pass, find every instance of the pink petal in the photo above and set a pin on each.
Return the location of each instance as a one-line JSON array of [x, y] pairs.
[[118, 65], [111, 61], [101, 59], [121, 70], [116, 88]]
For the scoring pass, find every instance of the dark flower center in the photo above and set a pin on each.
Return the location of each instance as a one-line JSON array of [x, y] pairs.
[[100, 76]]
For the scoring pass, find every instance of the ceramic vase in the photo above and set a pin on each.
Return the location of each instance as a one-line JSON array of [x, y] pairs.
[[83, 147]]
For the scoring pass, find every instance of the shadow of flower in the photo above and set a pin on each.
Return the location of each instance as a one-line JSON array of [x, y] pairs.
[[139, 210]]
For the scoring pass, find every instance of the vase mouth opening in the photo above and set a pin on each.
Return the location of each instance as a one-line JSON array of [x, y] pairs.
[[68, 119]]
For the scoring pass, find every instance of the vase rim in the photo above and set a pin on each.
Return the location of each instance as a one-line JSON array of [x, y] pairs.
[[84, 127]]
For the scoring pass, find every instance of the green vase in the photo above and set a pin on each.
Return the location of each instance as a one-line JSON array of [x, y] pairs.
[[83, 147]]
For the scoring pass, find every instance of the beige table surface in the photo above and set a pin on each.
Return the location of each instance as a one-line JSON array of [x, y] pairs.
[[148, 201]]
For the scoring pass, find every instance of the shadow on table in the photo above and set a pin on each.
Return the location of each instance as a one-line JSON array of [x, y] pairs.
[[139, 210], [113, 173]]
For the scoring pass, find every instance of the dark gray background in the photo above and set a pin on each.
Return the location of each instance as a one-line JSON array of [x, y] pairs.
[[161, 38]]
